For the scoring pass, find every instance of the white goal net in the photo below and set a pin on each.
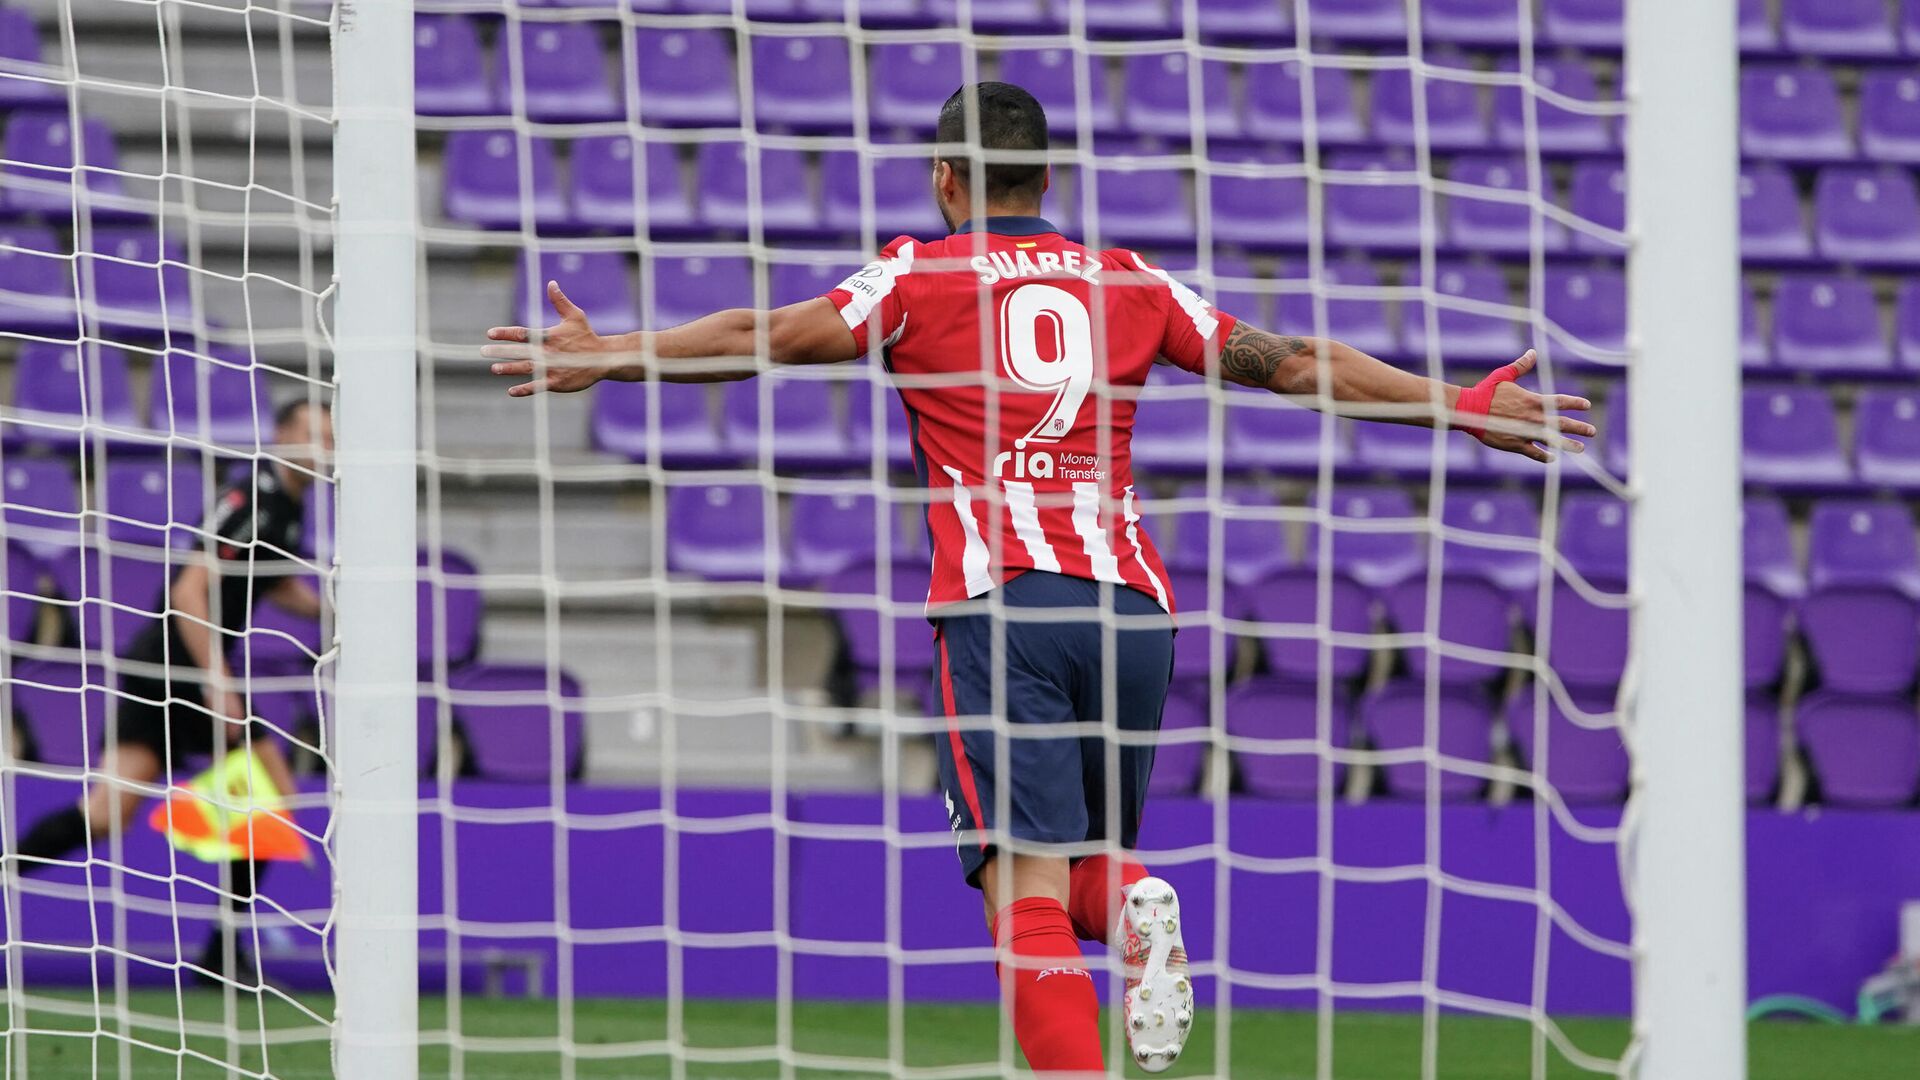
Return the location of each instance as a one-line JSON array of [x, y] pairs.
[[677, 797]]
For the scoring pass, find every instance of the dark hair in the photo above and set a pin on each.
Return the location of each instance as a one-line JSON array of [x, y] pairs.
[[1010, 119], [287, 410]]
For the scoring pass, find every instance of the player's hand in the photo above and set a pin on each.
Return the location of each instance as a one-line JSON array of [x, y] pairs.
[[562, 358], [1519, 424]]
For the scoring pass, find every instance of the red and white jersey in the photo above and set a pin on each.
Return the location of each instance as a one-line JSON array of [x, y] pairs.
[[1019, 355]]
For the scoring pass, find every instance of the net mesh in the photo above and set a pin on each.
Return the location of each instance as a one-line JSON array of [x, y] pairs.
[[675, 719]]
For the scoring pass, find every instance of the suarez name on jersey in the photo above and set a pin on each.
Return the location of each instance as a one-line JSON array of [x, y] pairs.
[[1019, 355]]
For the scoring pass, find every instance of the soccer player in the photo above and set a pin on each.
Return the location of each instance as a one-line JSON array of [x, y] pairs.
[[1017, 353], [164, 718]]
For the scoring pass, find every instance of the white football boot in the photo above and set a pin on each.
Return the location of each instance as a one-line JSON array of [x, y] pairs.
[[1159, 1009]]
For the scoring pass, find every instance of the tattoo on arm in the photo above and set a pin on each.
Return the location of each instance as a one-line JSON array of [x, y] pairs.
[[1253, 356]]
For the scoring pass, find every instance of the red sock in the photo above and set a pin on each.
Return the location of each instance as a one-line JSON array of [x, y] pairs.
[[1056, 1016], [1095, 889]]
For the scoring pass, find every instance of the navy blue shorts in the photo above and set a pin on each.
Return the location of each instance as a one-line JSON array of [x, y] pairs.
[[1056, 786]]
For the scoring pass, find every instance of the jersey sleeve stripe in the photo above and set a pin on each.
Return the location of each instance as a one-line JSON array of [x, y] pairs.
[[867, 293], [973, 554], [1198, 310]]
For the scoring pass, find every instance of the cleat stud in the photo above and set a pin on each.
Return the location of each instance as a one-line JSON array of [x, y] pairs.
[[1181, 984], [1145, 993], [1137, 900], [1171, 923]]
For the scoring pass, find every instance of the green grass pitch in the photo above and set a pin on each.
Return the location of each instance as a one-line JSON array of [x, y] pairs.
[[612, 1037]]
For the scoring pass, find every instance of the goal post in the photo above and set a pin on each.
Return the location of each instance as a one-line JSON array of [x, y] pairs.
[[1684, 704], [376, 862]]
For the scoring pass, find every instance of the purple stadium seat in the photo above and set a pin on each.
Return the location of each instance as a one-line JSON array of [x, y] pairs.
[[1581, 764], [1755, 351], [237, 412], [1587, 24], [726, 202], [1556, 129], [151, 503], [38, 175], [1867, 215], [1478, 223], [1048, 75], [561, 70], [1172, 431], [683, 288], [63, 707], [835, 532], [1181, 753], [60, 403], [1362, 562], [1456, 119], [718, 532], [1837, 27], [792, 282], [802, 83], [1471, 22], [1276, 110], [1156, 97], [1763, 749], [1910, 25], [1478, 585], [902, 196], [603, 185], [1861, 618], [1285, 716], [130, 590], [1265, 431], [1136, 208], [449, 69], [1396, 718], [42, 508], [1598, 193], [911, 80], [1376, 556], [1377, 208], [597, 281], [1464, 336], [1886, 437], [506, 712], [482, 181], [1588, 645], [1253, 539], [1408, 451], [757, 10], [1359, 20], [863, 627], [1361, 323], [1864, 749], [19, 52], [1791, 112], [1252, 21], [1129, 19], [1790, 436], [452, 587], [1588, 310], [863, 406], [134, 283], [807, 432], [998, 16], [1772, 225], [1890, 114], [22, 586], [1906, 320], [1756, 32], [684, 77], [1823, 323], [685, 438], [36, 282], [1257, 208], [1200, 645], [1774, 585]]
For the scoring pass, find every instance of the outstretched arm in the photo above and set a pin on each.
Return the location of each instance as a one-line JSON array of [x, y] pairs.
[[1515, 419], [570, 356]]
